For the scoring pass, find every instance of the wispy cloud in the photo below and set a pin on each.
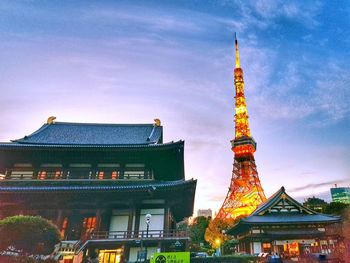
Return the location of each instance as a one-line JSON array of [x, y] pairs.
[[318, 185]]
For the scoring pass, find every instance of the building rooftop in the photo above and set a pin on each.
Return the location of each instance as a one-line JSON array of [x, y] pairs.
[[280, 209], [66, 133], [89, 185]]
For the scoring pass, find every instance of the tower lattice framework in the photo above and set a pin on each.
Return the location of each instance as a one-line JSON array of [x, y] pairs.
[[245, 191]]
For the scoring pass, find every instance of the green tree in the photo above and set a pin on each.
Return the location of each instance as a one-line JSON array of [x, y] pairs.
[[336, 208], [316, 204], [214, 233], [28, 235], [197, 229]]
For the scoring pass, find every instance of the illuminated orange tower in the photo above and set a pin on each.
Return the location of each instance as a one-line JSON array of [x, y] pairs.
[[245, 192]]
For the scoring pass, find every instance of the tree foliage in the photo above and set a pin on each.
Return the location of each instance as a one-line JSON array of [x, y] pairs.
[[315, 201], [214, 233], [197, 229], [315, 204], [28, 235], [336, 208]]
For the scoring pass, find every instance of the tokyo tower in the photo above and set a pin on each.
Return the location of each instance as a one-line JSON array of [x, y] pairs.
[[245, 192]]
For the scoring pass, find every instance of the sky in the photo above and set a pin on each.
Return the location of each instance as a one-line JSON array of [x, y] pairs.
[[133, 61]]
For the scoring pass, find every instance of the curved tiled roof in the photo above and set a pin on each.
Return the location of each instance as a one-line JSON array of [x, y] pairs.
[[282, 209], [66, 133], [93, 185], [290, 219], [64, 146], [275, 198]]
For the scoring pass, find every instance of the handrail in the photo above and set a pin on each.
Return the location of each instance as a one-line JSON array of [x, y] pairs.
[[141, 234], [123, 235]]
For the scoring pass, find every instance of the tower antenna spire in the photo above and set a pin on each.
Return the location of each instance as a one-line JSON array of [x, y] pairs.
[[238, 64]]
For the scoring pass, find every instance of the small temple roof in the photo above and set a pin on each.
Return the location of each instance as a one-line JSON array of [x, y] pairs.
[[66, 133], [280, 209]]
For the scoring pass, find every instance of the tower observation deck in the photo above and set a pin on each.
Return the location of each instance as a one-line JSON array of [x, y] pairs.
[[245, 192]]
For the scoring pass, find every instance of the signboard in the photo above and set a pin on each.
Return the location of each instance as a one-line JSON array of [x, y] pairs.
[[171, 257]]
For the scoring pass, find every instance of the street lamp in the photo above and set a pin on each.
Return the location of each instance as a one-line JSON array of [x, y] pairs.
[[148, 221], [218, 246], [223, 238]]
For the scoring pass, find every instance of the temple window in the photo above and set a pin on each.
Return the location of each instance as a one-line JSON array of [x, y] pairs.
[[266, 247], [79, 171], [115, 175], [108, 171], [42, 175], [22, 171], [50, 171], [89, 225], [100, 175], [64, 227], [134, 171]]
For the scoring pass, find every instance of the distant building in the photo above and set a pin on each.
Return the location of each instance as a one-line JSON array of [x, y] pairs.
[[341, 194], [205, 212]]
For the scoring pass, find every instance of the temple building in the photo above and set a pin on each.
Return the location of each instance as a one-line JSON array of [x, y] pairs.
[[284, 226], [112, 189]]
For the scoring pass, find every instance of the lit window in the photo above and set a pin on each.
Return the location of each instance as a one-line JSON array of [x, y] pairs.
[[100, 175], [89, 225], [58, 174], [42, 175], [21, 175], [115, 175], [64, 227]]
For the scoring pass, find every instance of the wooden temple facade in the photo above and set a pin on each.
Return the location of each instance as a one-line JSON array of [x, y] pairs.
[[97, 182], [284, 226]]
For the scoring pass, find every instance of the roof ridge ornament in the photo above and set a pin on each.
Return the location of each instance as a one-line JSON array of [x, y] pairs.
[[157, 122], [51, 120]]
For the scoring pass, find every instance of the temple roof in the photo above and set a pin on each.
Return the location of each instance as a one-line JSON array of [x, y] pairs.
[[290, 218], [279, 209], [90, 193], [37, 186], [66, 133]]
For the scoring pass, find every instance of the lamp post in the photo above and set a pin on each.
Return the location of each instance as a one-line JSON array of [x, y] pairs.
[[218, 244], [223, 240], [148, 221]]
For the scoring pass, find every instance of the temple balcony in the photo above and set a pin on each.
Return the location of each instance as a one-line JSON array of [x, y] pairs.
[[130, 237], [137, 235], [75, 174]]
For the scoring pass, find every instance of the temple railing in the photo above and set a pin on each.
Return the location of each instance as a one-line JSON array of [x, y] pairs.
[[75, 174], [152, 234]]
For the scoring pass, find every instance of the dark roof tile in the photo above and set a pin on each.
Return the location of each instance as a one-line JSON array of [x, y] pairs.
[[65, 133]]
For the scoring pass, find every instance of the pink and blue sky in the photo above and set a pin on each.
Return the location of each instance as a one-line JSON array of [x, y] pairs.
[[133, 61]]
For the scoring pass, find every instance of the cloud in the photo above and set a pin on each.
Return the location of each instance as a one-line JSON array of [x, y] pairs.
[[317, 185], [301, 89], [150, 19], [271, 10]]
